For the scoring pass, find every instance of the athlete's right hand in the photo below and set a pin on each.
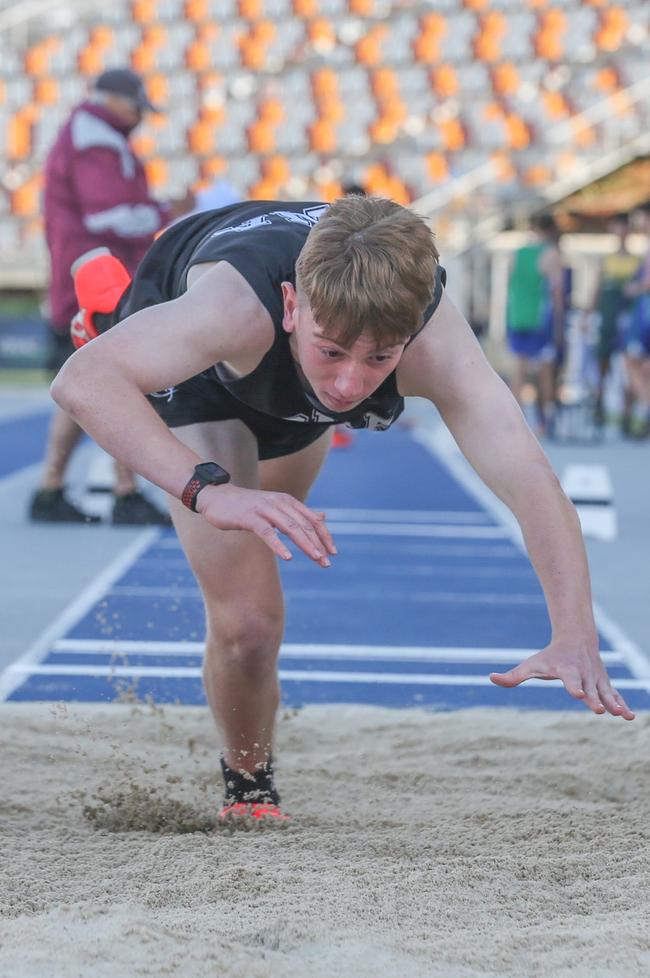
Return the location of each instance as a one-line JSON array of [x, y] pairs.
[[230, 507]]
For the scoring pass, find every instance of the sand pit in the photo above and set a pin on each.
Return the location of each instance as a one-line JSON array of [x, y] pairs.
[[478, 843]]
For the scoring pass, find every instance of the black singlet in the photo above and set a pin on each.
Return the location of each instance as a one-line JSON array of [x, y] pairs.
[[262, 240]]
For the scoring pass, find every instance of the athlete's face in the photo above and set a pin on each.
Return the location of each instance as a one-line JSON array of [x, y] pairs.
[[340, 377]]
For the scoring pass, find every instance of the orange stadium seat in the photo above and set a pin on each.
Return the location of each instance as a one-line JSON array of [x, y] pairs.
[[196, 10], [322, 136], [607, 80], [383, 131], [505, 79], [548, 41], [555, 104], [198, 55], [275, 168], [265, 189], [328, 190], [305, 8], [261, 137], [331, 109], [518, 133], [487, 42], [47, 91], [324, 82], [384, 83], [452, 134], [611, 31], [144, 11], [201, 138], [437, 167], [26, 199], [157, 172], [444, 81], [321, 34], [368, 49], [144, 143], [37, 58], [158, 89], [271, 110], [19, 133], [251, 9], [211, 168], [426, 46], [362, 8]]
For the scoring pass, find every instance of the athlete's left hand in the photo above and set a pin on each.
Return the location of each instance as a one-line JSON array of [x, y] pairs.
[[579, 668]]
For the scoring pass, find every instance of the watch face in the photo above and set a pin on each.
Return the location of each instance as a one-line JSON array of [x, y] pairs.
[[211, 473]]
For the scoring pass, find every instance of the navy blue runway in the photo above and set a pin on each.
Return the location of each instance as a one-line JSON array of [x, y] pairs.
[[427, 596]]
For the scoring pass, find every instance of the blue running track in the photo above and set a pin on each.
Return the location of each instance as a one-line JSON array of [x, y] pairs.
[[427, 595]]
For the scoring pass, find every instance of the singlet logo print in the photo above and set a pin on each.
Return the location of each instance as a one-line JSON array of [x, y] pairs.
[[308, 217], [167, 394]]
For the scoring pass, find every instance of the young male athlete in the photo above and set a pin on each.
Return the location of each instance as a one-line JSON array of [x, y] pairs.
[[260, 327]]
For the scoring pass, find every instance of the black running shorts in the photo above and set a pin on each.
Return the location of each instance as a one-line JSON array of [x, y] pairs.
[[203, 398]]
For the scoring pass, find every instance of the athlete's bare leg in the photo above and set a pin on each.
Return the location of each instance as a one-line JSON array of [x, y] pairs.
[[519, 377], [239, 579], [638, 371], [547, 389], [62, 438]]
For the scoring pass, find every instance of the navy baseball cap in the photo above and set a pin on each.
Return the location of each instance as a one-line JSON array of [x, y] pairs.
[[128, 84]]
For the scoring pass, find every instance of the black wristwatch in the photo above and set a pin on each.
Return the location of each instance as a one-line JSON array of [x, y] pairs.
[[205, 474]]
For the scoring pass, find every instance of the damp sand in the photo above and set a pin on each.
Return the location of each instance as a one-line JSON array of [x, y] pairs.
[[478, 844]]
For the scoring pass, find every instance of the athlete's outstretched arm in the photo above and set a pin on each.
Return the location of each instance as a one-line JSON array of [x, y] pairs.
[[446, 365], [103, 387]]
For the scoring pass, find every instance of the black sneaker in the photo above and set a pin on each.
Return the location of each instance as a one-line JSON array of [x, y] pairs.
[[134, 509], [51, 506]]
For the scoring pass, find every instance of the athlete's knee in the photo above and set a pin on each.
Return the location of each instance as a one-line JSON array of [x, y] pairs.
[[249, 644]]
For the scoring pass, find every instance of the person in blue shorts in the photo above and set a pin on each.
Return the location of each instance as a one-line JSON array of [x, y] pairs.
[[535, 316], [246, 335]]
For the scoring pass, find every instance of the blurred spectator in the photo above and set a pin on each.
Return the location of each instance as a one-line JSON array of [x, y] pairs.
[[613, 308], [220, 193], [637, 340], [95, 195], [351, 187], [537, 298]]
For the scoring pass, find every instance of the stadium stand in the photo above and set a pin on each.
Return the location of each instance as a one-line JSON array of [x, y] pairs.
[[285, 98]]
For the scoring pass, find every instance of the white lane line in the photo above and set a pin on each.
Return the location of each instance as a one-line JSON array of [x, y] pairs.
[[301, 675], [353, 593], [12, 677], [405, 515], [423, 530], [297, 650], [418, 530]]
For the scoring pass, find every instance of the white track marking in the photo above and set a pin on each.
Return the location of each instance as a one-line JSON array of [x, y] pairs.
[[297, 650], [301, 675]]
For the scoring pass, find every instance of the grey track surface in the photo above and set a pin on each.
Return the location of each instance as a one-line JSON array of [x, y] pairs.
[[43, 569]]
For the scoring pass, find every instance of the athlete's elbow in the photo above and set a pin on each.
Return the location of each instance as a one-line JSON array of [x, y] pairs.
[[71, 387]]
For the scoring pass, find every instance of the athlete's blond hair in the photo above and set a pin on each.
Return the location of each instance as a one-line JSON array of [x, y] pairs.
[[369, 265]]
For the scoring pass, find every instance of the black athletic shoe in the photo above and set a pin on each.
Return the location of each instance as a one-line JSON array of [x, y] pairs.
[[51, 506], [134, 509]]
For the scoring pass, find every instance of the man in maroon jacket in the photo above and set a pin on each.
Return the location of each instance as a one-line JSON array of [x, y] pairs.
[[96, 195]]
